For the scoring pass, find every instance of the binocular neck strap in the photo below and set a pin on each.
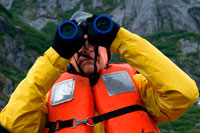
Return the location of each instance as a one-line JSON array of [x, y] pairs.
[[95, 59]]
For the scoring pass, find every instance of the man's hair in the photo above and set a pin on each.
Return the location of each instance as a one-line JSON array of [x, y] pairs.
[[80, 16]]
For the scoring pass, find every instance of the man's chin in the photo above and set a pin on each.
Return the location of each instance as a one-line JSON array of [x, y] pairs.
[[89, 72], [88, 69]]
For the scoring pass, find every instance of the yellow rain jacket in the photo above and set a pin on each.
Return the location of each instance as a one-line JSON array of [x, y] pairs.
[[165, 90]]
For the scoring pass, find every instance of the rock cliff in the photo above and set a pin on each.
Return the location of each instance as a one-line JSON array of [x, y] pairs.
[[141, 17], [20, 45]]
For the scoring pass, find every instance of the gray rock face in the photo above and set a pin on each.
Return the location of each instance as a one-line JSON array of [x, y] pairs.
[[188, 47], [67, 4], [13, 54], [45, 11], [6, 89], [7, 3], [197, 125], [97, 3], [147, 17], [40, 22], [12, 60], [2, 104], [139, 16]]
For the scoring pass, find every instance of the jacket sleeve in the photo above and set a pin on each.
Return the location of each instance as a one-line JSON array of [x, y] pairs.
[[165, 90], [26, 110]]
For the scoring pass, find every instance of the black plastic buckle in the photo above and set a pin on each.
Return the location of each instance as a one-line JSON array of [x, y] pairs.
[[54, 126]]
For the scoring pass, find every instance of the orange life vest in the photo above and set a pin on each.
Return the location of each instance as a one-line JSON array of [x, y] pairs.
[[73, 97]]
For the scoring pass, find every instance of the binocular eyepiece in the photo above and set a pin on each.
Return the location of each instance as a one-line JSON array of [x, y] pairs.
[[67, 30], [102, 24]]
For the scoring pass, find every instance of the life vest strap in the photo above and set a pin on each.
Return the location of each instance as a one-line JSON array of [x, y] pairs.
[[59, 124], [118, 112]]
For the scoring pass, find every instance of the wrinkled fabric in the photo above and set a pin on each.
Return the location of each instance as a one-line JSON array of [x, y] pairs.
[[26, 110], [165, 90]]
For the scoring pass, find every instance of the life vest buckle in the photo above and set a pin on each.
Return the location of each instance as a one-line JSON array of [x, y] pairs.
[[57, 125], [85, 121]]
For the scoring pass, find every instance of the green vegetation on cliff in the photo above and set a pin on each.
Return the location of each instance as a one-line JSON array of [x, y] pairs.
[[185, 124], [167, 41], [24, 35], [5, 11]]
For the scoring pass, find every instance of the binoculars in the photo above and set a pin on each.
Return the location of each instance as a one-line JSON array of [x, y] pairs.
[[102, 24]]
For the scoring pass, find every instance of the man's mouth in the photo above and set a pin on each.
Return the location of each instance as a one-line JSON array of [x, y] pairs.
[[86, 61], [84, 55], [84, 58]]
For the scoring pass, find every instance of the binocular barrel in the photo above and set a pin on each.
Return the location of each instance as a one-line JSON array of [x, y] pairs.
[[67, 30], [103, 24]]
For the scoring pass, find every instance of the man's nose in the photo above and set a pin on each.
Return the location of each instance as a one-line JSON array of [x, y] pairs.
[[87, 47]]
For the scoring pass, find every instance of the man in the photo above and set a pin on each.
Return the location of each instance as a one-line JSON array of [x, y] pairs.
[[92, 92]]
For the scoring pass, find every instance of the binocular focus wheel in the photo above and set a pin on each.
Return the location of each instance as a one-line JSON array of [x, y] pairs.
[[105, 18], [70, 25]]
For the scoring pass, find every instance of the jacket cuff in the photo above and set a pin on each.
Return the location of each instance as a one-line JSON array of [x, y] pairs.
[[56, 60], [118, 40]]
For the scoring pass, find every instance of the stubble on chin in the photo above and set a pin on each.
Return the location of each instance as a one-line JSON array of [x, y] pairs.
[[88, 70], [87, 67]]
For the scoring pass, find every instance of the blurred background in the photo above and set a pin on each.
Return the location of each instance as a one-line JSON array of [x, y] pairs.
[[173, 26]]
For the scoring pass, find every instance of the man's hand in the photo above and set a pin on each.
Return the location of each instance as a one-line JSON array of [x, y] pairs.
[[67, 47], [102, 39]]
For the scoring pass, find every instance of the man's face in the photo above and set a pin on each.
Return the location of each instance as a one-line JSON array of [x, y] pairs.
[[87, 64]]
